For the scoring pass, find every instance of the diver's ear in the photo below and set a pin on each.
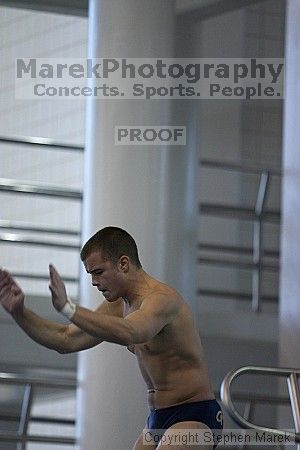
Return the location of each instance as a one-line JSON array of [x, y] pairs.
[[123, 264]]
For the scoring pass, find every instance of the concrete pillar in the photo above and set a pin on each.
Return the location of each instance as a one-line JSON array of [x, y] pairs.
[[126, 187], [290, 235]]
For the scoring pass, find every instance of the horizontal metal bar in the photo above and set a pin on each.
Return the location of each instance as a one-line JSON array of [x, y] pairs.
[[207, 246], [19, 240], [231, 166], [15, 186], [237, 212], [61, 421], [18, 379], [38, 419], [243, 265], [258, 398], [75, 8], [18, 226], [215, 9], [41, 142], [263, 370], [40, 277], [62, 440], [233, 295]]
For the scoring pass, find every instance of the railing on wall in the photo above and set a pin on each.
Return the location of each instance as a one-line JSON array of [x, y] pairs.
[[12, 232], [258, 215], [291, 376], [42, 142], [22, 436], [15, 233], [31, 384]]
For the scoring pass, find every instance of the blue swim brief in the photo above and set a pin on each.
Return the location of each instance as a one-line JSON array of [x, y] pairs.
[[208, 412]]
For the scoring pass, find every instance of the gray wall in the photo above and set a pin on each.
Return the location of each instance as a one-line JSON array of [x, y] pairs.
[[26, 33], [249, 133]]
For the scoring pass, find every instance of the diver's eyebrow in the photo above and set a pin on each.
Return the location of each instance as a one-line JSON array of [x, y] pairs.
[[94, 270]]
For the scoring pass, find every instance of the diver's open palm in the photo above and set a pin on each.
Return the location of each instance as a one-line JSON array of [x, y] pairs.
[[11, 295], [57, 288]]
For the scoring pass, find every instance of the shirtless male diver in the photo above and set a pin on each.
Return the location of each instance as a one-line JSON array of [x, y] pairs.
[[148, 317]]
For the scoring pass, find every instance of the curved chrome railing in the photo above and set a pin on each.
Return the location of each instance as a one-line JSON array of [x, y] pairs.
[[293, 387]]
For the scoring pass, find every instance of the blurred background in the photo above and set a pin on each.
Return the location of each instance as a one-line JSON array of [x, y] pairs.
[[233, 193]]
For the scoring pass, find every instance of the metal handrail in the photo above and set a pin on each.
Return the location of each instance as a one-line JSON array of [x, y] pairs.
[[251, 401], [41, 277], [258, 398], [31, 383], [258, 215], [14, 186], [244, 265], [55, 382], [38, 189], [18, 226], [62, 440], [38, 419], [208, 246], [232, 166], [238, 295], [238, 212], [17, 240], [290, 374], [41, 142], [226, 262]]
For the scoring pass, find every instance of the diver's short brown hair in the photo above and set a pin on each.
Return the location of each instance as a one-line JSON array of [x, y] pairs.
[[113, 242]]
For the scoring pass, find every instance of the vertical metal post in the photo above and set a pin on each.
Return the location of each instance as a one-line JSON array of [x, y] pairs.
[[257, 240], [25, 416], [256, 274], [248, 414], [294, 393]]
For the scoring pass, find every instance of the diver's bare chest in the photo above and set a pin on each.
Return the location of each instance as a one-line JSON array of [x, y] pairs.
[[146, 349], [150, 348]]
